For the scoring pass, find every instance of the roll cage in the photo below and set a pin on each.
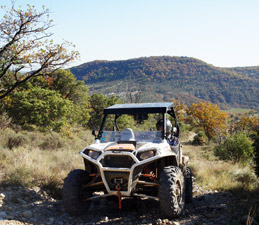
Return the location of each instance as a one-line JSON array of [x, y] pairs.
[[140, 112]]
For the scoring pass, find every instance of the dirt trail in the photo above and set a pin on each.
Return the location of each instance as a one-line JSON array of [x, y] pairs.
[[34, 206]]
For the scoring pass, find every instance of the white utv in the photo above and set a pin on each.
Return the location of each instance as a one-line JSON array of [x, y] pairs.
[[130, 163]]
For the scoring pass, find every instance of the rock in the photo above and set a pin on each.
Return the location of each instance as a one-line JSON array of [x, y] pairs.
[[105, 219], [36, 189], [51, 220], [3, 214], [165, 221], [21, 201], [159, 221], [175, 223], [27, 214], [143, 221], [2, 195]]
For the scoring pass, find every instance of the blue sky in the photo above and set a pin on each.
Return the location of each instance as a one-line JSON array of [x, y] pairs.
[[223, 33]]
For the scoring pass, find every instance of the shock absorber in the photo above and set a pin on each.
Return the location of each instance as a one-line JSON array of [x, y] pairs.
[[147, 172]]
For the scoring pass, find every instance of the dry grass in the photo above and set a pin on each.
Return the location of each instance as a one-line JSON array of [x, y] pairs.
[[214, 174], [39, 163]]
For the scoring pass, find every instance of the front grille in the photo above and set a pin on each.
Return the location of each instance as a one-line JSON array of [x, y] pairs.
[[117, 161]]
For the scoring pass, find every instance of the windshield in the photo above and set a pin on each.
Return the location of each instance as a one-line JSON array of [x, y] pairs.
[[129, 135], [139, 128]]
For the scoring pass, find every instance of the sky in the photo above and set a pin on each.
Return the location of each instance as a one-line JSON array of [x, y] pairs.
[[223, 33]]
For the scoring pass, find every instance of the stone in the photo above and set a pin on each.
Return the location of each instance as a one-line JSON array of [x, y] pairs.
[[21, 201], [158, 221], [51, 220], [105, 219], [27, 214], [143, 221], [2, 195], [176, 223], [3, 214]]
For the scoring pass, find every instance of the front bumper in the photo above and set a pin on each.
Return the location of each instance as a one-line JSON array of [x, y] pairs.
[[120, 168]]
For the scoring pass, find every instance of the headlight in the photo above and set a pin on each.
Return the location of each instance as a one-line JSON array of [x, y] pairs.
[[93, 154], [146, 155]]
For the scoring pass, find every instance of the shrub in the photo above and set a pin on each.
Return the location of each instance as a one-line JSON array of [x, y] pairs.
[[237, 149], [245, 176], [52, 141], [200, 139], [17, 140], [4, 121]]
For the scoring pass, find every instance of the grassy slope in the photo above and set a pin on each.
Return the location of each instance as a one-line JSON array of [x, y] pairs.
[[213, 174]]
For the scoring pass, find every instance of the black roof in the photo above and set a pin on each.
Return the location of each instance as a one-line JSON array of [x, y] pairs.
[[138, 108]]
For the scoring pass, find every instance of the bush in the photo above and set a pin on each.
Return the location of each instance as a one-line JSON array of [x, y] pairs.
[[245, 176], [5, 121], [200, 139], [237, 149], [17, 140], [52, 141]]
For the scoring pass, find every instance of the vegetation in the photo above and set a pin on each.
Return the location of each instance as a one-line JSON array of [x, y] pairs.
[[200, 139], [25, 44], [40, 159], [98, 102], [209, 118], [217, 175], [40, 107], [237, 148], [256, 146], [164, 78]]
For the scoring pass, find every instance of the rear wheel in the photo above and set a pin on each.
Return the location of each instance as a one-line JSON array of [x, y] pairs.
[[74, 194], [171, 191]]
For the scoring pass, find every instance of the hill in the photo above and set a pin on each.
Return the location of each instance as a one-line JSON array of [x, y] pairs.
[[163, 78]]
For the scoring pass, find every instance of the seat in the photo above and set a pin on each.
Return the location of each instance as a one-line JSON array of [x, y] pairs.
[[127, 137]]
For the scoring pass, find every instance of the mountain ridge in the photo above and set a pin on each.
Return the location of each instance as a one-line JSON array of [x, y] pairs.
[[167, 77]]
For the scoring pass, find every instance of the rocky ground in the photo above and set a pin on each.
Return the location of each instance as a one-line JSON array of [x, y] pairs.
[[19, 205]]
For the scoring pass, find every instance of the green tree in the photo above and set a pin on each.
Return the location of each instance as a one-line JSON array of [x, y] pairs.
[[98, 103], [76, 91], [25, 44], [41, 107], [65, 83], [237, 148]]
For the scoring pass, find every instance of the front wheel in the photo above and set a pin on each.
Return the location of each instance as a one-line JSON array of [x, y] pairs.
[[171, 191], [188, 185], [74, 193]]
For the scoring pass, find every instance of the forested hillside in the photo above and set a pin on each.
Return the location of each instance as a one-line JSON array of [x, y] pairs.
[[164, 78]]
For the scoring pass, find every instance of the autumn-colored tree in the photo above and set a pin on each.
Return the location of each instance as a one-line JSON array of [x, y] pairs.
[[246, 123], [179, 109], [25, 44], [208, 117]]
